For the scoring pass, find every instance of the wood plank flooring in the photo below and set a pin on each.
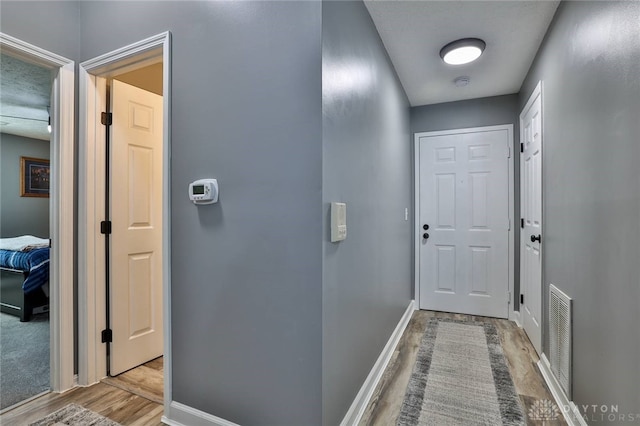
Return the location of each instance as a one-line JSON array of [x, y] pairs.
[[145, 381], [135, 397], [385, 404], [132, 398]]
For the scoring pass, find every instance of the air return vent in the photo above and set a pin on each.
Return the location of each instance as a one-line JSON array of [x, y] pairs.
[[560, 324]]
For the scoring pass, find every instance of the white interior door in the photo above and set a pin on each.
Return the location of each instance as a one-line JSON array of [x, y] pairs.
[[464, 222], [136, 239], [531, 212]]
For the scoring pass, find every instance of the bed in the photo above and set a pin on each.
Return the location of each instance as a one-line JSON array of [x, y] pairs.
[[24, 262]]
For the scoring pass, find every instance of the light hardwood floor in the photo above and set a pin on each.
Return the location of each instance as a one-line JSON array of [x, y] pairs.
[[135, 397], [132, 398]]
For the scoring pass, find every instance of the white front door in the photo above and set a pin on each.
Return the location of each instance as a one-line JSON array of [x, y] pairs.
[[136, 239], [464, 221], [531, 212]]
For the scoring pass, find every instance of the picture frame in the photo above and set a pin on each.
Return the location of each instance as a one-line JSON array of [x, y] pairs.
[[34, 177]]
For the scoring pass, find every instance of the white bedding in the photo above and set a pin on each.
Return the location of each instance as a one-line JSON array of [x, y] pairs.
[[23, 243]]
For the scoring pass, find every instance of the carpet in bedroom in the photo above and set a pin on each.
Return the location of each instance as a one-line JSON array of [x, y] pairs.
[[24, 358]]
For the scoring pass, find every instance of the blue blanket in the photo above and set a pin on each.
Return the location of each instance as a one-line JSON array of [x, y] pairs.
[[34, 262]]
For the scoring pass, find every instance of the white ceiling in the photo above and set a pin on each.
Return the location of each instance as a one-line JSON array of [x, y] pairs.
[[413, 33], [25, 91]]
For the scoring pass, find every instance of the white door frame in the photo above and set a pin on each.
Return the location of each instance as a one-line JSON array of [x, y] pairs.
[[91, 278], [61, 210], [416, 215]]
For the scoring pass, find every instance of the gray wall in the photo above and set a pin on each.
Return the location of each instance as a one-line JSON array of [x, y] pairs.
[[20, 215], [480, 112], [462, 114], [589, 63], [366, 163], [51, 25], [246, 272]]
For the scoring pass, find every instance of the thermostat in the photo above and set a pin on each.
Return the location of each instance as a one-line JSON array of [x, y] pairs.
[[204, 191]]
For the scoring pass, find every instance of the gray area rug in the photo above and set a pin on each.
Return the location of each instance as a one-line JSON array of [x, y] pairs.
[[24, 358], [74, 415], [460, 378]]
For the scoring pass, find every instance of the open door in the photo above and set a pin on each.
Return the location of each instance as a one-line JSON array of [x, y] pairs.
[[136, 216]]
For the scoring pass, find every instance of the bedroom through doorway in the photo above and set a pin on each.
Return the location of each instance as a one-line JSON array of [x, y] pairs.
[[25, 153]]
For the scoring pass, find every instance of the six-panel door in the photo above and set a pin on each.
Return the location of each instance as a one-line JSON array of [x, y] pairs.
[[464, 262]]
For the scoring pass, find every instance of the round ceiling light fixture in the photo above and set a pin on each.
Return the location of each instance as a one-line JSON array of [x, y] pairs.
[[462, 51]]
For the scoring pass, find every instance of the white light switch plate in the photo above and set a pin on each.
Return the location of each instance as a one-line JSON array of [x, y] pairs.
[[338, 222]]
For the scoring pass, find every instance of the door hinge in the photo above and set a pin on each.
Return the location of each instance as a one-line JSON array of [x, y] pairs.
[[106, 118], [508, 152], [107, 336], [522, 222], [508, 298], [522, 299], [105, 227], [509, 225], [521, 147]]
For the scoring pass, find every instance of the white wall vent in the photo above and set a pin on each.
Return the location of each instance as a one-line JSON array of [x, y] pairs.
[[560, 337]]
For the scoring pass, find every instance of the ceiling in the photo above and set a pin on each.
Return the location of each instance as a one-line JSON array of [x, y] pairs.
[[25, 90], [413, 33]]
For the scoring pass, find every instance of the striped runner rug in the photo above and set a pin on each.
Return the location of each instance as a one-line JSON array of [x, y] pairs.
[[74, 415], [460, 378]]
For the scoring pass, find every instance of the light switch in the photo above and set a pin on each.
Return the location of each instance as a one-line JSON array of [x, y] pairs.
[[338, 222]]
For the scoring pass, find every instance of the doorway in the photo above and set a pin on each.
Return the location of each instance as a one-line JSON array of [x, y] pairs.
[[61, 206], [101, 80], [464, 210], [531, 136], [25, 151]]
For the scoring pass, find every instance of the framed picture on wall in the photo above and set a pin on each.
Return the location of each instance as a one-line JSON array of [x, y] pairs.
[[34, 177]]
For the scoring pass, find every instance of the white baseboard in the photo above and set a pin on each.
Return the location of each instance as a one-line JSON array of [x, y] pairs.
[[359, 404], [515, 317], [183, 415], [567, 408]]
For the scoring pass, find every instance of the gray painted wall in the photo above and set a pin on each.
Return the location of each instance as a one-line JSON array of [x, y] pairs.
[[480, 112], [20, 215], [246, 272], [589, 63], [51, 25], [462, 114], [366, 163]]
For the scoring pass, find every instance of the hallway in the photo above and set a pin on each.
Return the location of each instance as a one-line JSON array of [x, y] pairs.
[[135, 397]]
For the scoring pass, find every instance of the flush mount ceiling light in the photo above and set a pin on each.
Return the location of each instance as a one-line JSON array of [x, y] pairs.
[[462, 51]]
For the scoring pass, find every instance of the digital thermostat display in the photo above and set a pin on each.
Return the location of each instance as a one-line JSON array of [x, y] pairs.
[[204, 191]]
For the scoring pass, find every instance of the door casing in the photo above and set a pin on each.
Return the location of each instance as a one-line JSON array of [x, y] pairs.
[[61, 211], [93, 76], [417, 229]]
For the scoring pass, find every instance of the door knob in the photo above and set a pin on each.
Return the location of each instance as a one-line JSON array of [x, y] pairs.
[[425, 227], [534, 238], [425, 236]]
